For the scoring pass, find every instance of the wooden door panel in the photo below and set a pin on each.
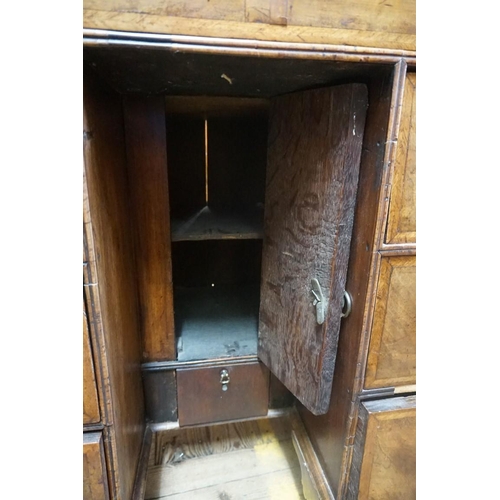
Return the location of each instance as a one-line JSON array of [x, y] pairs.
[[314, 151], [91, 414], [384, 457], [95, 484], [392, 351], [402, 223]]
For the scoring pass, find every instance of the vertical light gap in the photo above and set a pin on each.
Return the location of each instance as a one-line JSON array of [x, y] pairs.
[[206, 162]]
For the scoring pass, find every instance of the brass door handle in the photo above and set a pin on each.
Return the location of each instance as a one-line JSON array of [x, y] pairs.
[[318, 301]]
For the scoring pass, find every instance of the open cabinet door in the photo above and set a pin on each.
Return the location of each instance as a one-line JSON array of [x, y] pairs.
[[314, 151]]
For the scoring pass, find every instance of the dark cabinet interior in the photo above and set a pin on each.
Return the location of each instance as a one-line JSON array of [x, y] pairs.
[[216, 157], [241, 201], [216, 313]]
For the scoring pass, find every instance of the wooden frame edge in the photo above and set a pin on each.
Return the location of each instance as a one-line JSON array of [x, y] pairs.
[[400, 69], [314, 482], [141, 475], [238, 47], [105, 34]]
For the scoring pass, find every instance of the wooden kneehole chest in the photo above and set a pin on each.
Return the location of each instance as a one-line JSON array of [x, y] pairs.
[[237, 200]]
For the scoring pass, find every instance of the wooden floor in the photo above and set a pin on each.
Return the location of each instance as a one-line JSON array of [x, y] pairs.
[[253, 460]]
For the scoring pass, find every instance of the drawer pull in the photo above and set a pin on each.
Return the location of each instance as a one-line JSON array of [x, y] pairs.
[[224, 379], [347, 305]]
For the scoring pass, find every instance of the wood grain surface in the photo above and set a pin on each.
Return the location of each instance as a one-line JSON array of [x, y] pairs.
[[359, 22], [314, 482], [314, 152], [142, 468], [330, 433], [402, 221], [361, 15], [376, 243], [148, 180], [384, 457], [95, 485], [243, 460], [392, 351], [169, 446], [91, 413], [113, 308]]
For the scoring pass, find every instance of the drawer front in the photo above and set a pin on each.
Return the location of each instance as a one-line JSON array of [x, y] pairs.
[[91, 414], [202, 398], [401, 226], [384, 456], [392, 351], [95, 484]]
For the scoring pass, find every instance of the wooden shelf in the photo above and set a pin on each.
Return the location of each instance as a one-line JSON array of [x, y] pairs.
[[213, 224], [216, 322]]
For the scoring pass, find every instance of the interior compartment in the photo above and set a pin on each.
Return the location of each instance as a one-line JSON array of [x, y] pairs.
[[216, 298], [216, 153], [216, 150]]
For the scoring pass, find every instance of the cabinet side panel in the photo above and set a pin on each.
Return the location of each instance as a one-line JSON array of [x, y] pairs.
[[147, 169], [105, 167]]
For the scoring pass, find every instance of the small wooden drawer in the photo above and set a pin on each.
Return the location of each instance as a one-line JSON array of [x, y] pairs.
[[392, 351], [203, 399], [402, 222], [384, 455], [95, 484]]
